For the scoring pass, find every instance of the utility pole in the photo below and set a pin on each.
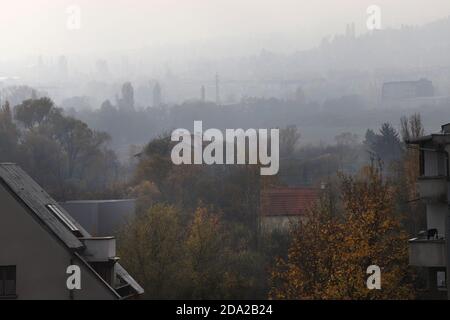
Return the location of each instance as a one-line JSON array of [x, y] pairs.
[[203, 93]]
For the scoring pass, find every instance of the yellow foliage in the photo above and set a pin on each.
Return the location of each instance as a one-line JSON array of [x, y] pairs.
[[330, 253]]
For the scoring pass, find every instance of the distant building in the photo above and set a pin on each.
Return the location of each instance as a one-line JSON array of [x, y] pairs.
[[407, 89], [157, 95], [101, 217], [41, 245], [430, 250], [63, 69], [217, 89], [350, 31], [126, 102], [284, 206], [102, 70], [300, 95]]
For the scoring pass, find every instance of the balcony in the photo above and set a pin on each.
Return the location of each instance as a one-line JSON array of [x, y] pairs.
[[100, 249], [427, 253], [433, 188]]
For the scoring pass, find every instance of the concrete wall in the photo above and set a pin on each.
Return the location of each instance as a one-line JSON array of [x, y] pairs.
[[40, 258], [280, 223], [114, 214], [103, 217], [433, 188]]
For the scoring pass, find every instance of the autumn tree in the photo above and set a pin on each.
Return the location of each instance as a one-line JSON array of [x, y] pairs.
[[206, 255], [234, 189], [200, 259], [219, 260], [331, 251], [151, 247], [312, 257], [373, 235]]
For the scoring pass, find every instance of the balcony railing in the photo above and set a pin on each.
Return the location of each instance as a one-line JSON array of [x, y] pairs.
[[427, 253], [433, 189], [99, 249]]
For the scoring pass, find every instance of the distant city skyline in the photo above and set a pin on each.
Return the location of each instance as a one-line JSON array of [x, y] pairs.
[[41, 26]]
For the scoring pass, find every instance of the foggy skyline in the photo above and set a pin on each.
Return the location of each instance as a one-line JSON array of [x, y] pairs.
[[40, 27]]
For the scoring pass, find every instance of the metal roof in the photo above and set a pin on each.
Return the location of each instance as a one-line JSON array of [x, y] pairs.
[[36, 200]]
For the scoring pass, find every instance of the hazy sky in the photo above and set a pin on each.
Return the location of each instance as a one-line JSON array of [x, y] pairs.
[[39, 26]]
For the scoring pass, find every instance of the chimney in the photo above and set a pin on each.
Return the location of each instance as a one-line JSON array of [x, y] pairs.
[[446, 128]]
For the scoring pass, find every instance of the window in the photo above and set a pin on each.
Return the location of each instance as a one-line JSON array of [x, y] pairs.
[[440, 278], [64, 219], [422, 163], [7, 281]]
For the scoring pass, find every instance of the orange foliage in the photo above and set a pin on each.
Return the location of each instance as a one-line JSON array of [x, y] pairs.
[[330, 253]]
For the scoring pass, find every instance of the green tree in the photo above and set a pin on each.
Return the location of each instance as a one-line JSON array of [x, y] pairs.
[[33, 112], [66, 156], [9, 135], [385, 146]]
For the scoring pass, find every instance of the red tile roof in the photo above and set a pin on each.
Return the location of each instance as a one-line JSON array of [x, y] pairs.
[[288, 201]]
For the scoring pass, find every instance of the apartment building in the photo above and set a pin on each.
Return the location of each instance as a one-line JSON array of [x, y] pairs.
[[430, 249]]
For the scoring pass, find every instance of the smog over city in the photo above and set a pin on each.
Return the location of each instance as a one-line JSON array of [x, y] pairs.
[[224, 150]]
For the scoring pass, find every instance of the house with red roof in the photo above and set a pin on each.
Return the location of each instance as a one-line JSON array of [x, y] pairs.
[[283, 206]]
